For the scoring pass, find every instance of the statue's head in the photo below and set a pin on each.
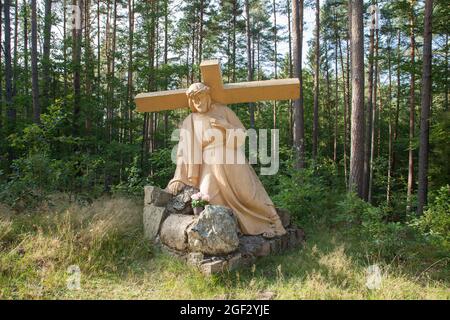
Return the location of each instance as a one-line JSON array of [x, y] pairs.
[[199, 97]]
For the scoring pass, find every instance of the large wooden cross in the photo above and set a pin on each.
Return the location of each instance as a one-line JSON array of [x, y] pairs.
[[280, 89]]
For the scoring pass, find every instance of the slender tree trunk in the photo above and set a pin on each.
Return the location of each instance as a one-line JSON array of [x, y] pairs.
[[112, 88], [25, 78], [299, 125], [316, 84], [149, 119], [391, 133], [397, 108], [336, 104], [235, 8], [201, 35], [349, 104], [291, 72], [130, 69], [15, 58], [166, 61], [76, 61], [10, 109], [412, 107], [346, 102], [275, 58], [369, 109], [46, 63], [426, 106], [249, 58], [34, 64], [329, 102], [99, 76], [288, 10], [374, 113], [89, 67], [193, 31], [446, 72], [65, 76], [357, 132]]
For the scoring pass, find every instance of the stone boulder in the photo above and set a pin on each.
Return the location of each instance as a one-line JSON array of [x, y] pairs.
[[214, 232], [156, 196], [181, 203], [173, 231], [153, 218], [255, 246]]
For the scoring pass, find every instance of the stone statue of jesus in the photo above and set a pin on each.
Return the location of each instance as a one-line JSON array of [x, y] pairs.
[[209, 135]]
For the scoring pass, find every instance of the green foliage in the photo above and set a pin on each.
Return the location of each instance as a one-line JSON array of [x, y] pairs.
[[135, 181], [308, 193], [434, 224], [315, 197], [162, 167], [379, 236], [439, 170]]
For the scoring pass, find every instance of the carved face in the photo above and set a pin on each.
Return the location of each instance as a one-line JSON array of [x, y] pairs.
[[201, 102]]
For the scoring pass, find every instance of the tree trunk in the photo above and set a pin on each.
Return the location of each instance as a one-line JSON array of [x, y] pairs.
[[65, 76], [316, 84], [99, 76], [249, 58], [235, 7], [46, 64], [34, 65], [200, 35], [88, 62], [76, 60], [10, 109], [288, 10], [291, 74], [166, 61], [369, 122], [397, 108], [275, 58], [299, 125], [15, 58], [446, 72], [336, 103], [346, 102], [349, 91], [329, 101], [426, 106], [412, 106], [26, 78], [357, 122], [130, 69], [391, 138], [374, 113]]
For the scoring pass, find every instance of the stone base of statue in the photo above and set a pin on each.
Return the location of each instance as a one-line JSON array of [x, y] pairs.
[[210, 241]]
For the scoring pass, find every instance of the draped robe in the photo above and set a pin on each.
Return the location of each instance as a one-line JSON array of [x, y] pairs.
[[203, 161]]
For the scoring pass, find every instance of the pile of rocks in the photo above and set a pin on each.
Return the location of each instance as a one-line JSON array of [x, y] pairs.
[[210, 241]]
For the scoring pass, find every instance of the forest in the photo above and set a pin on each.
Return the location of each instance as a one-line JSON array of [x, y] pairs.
[[364, 152]]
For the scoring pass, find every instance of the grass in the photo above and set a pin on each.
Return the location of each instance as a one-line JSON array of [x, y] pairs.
[[105, 241]]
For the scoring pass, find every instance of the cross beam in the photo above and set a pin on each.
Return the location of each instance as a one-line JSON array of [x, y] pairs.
[[280, 89]]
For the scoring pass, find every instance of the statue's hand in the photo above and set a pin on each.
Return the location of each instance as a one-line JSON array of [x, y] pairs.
[[220, 123], [175, 187]]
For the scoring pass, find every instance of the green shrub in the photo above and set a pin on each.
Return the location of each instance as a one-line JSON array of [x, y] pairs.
[[307, 195], [377, 235], [434, 224]]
